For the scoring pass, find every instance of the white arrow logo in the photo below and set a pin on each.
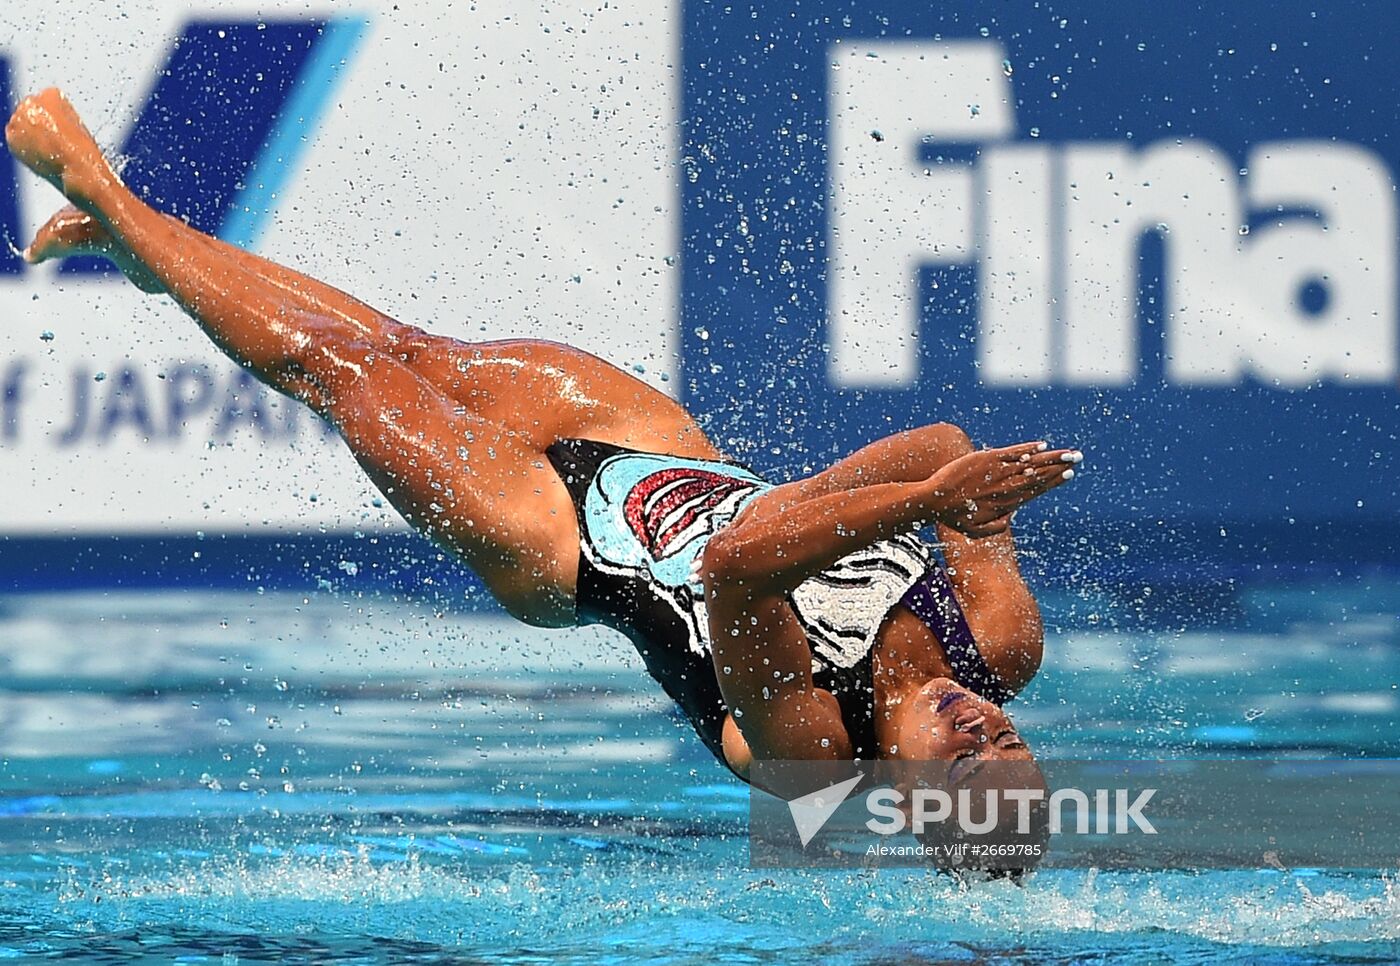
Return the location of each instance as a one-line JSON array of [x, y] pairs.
[[811, 812]]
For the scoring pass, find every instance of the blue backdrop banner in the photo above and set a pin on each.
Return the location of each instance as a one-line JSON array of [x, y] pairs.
[[1163, 232]]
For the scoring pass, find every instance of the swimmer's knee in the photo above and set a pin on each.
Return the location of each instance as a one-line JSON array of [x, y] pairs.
[[530, 568], [540, 597], [410, 344]]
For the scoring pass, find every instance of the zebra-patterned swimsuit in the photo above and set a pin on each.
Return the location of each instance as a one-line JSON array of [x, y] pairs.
[[644, 519]]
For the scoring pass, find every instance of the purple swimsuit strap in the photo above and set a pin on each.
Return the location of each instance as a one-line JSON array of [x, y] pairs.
[[932, 601]]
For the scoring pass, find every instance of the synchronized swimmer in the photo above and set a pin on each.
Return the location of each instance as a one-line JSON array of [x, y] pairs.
[[800, 621]]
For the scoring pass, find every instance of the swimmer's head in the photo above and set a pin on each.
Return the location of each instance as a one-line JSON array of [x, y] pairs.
[[986, 758], [959, 725]]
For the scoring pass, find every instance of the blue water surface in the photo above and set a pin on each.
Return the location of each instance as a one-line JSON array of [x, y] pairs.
[[244, 777]]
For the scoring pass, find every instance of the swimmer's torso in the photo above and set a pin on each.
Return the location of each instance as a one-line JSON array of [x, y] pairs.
[[631, 490], [644, 520]]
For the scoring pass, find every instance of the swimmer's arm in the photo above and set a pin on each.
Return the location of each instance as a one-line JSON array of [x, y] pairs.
[[771, 549], [905, 457], [774, 551], [764, 669]]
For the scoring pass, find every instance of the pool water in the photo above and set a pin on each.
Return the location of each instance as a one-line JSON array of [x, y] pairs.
[[244, 777]]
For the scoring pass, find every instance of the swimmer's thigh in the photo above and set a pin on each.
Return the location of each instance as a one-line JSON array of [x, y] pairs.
[[473, 486]]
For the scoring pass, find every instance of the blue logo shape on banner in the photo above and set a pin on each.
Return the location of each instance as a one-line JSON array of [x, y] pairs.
[[222, 129], [1165, 234], [10, 242]]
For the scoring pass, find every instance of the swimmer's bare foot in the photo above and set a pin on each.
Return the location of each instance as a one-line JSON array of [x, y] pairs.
[[74, 232], [69, 232], [46, 135]]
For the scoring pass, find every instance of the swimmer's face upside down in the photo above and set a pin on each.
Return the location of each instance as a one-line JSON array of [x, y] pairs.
[[455, 435]]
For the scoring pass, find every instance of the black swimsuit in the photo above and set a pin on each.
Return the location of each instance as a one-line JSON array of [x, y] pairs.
[[643, 520]]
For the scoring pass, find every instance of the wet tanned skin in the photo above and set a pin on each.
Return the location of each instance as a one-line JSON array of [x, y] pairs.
[[454, 434]]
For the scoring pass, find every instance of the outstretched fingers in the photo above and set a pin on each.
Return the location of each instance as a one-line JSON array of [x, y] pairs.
[[993, 516], [1024, 458], [1025, 468], [1018, 451], [1031, 476], [1033, 483]]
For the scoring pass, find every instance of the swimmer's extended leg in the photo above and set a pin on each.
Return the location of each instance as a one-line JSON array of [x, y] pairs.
[[72, 231], [469, 483], [47, 136]]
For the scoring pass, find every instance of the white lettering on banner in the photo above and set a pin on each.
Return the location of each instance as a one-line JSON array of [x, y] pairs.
[[890, 214], [1283, 272]]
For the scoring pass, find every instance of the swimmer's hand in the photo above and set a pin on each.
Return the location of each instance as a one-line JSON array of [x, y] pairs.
[[976, 493]]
